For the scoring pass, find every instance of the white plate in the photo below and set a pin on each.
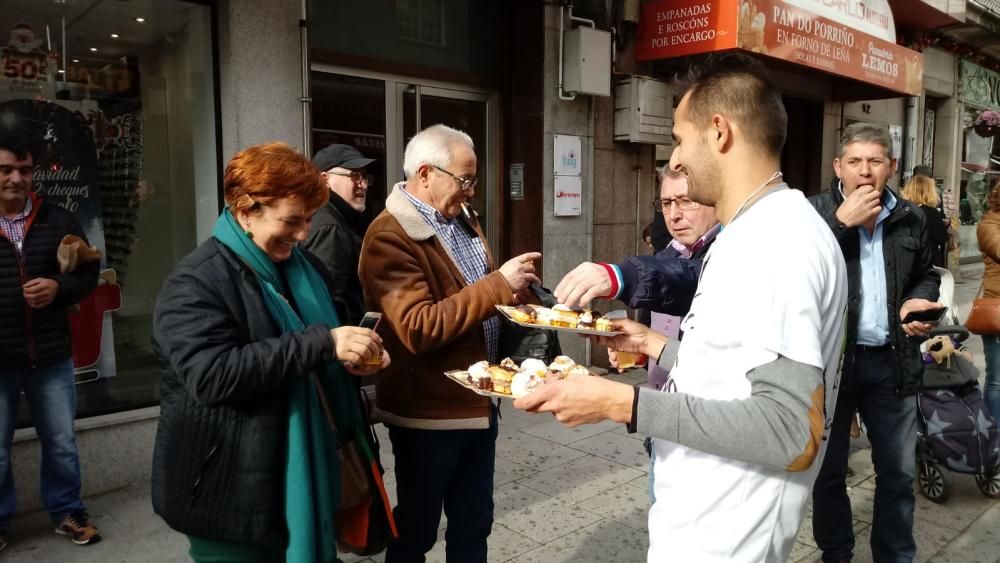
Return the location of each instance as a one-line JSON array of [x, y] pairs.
[[505, 309]]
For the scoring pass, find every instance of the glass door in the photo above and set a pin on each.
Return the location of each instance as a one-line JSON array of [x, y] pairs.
[[424, 106], [378, 114]]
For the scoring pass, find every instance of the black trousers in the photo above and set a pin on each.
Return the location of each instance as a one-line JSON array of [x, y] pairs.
[[452, 469]]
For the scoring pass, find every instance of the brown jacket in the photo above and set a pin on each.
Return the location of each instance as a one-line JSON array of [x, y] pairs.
[[988, 234], [432, 320]]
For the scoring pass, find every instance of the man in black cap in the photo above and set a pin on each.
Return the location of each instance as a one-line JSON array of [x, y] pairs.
[[339, 227]]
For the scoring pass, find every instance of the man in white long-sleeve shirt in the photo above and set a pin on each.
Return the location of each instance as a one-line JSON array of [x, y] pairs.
[[740, 431]]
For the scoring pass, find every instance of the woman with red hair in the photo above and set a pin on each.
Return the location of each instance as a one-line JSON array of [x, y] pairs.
[[246, 329]]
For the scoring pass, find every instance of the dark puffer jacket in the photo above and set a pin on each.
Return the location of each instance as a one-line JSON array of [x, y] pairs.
[[909, 274], [665, 282], [219, 457], [38, 337]]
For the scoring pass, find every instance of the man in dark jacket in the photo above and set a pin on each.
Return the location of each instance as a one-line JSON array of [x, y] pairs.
[[884, 241], [35, 351], [339, 227], [664, 283]]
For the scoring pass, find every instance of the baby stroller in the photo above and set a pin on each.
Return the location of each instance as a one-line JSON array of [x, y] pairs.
[[956, 431]]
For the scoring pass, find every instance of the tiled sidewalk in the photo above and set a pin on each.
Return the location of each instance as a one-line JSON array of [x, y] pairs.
[[562, 495]]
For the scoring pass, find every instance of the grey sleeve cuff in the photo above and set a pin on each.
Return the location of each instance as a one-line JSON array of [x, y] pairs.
[[669, 354], [780, 425]]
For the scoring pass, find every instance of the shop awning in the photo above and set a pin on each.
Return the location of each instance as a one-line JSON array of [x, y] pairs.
[[857, 43]]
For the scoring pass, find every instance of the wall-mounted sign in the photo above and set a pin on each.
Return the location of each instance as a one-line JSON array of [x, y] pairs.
[[568, 196], [566, 157], [785, 30]]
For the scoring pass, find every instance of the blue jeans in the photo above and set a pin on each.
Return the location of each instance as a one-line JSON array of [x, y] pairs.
[[891, 422], [449, 468], [51, 394], [991, 348]]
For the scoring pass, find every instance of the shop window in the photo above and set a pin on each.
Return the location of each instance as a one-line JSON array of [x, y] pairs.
[[121, 98], [980, 171], [460, 37]]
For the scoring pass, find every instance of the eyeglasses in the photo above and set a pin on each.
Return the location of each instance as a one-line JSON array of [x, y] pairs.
[[356, 177], [467, 184], [684, 204]]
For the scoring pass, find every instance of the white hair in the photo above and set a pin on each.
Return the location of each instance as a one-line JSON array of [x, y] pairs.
[[433, 146]]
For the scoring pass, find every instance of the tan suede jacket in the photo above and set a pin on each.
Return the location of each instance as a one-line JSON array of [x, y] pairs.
[[432, 320], [988, 234]]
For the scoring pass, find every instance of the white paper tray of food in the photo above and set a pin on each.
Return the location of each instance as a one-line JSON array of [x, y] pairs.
[[507, 380], [558, 318]]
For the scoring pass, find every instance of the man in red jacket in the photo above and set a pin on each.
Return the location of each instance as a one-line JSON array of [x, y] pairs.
[[35, 351]]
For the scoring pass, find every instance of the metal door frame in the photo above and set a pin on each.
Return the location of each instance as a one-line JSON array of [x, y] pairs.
[[394, 143]]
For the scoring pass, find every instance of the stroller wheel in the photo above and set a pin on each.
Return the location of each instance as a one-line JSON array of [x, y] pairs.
[[934, 482], [989, 485]]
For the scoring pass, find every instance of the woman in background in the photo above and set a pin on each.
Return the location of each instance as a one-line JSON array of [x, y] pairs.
[[988, 234], [921, 191]]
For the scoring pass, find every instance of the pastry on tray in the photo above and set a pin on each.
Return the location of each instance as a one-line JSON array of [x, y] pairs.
[[558, 315], [508, 378], [523, 314]]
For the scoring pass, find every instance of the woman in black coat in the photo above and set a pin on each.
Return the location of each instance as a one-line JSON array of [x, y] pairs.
[[922, 191]]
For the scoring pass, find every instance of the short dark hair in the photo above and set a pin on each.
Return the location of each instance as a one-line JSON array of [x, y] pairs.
[[738, 86], [863, 132], [22, 148], [923, 170]]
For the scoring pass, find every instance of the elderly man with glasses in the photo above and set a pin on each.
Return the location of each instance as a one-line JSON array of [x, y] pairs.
[[663, 283], [339, 226], [427, 268]]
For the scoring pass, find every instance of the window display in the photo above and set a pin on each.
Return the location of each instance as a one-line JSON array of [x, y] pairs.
[[119, 98]]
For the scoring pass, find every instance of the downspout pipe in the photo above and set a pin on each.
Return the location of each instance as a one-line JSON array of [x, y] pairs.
[[305, 99]]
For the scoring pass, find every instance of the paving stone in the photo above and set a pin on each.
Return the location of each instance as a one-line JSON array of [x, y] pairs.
[[623, 504], [555, 431], [506, 471], [580, 479], [617, 448], [979, 542], [533, 452], [602, 542], [803, 552], [536, 515]]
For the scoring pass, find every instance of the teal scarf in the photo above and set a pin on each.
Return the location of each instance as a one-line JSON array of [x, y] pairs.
[[312, 470]]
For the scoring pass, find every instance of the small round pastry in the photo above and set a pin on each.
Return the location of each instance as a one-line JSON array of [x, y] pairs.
[[524, 383], [479, 374], [523, 314], [603, 324], [578, 370], [586, 320], [508, 363], [534, 366], [479, 369], [561, 363]]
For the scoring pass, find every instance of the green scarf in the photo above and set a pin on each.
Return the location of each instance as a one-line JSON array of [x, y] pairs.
[[312, 470]]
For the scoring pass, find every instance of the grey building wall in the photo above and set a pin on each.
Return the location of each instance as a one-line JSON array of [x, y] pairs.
[[615, 176], [260, 73]]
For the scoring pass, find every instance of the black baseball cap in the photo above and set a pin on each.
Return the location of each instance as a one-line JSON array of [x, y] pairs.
[[344, 156]]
